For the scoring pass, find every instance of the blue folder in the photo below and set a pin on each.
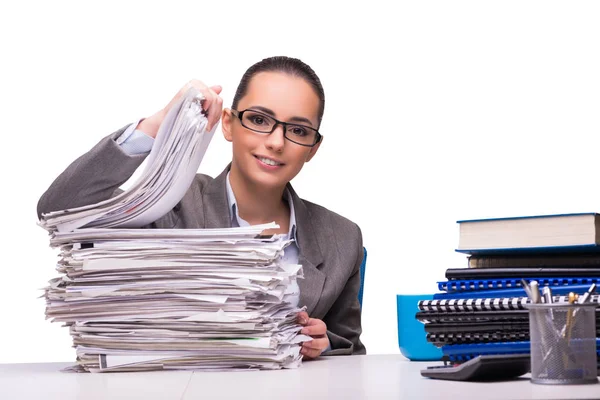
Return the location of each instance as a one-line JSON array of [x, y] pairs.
[[511, 283], [514, 292], [464, 352]]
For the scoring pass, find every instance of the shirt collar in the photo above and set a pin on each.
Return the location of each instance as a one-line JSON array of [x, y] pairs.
[[237, 221]]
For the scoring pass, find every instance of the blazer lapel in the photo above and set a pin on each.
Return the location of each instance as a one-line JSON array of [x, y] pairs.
[[215, 204], [310, 256]]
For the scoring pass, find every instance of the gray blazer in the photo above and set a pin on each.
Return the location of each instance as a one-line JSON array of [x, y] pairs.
[[330, 246]]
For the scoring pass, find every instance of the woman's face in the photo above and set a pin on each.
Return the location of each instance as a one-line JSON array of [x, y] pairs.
[[270, 160]]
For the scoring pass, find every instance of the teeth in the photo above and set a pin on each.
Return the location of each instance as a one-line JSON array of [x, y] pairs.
[[267, 161]]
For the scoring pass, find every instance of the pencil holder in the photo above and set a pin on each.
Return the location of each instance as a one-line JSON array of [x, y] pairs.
[[563, 343]]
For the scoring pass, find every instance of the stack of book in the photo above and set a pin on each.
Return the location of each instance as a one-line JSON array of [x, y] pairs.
[[481, 308]]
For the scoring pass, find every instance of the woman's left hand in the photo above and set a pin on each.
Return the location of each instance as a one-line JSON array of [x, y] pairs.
[[318, 331]]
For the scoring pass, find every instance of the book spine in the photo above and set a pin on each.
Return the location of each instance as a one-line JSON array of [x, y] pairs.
[[492, 304], [509, 303], [533, 261], [497, 328], [539, 261], [450, 318], [440, 339]]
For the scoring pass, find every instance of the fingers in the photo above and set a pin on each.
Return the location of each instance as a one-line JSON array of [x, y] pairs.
[[314, 348], [314, 327], [310, 353], [212, 104], [302, 318], [317, 329]]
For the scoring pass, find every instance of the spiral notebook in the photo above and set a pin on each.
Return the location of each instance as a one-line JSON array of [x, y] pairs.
[[510, 283], [441, 339], [509, 292], [486, 304], [488, 326], [471, 316]]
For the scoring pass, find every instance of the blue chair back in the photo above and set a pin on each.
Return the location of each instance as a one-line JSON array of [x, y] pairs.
[[363, 267]]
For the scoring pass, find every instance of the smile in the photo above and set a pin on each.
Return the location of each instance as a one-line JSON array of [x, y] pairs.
[[268, 161]]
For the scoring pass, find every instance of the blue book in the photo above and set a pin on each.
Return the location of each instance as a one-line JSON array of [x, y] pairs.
[[508, 292], [564, 233]]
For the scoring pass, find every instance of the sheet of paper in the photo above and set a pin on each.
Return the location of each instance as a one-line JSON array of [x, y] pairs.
[[180, 145]]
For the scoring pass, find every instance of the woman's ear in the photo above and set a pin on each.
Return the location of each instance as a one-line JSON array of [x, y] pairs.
[[226, 122], [313, 150]]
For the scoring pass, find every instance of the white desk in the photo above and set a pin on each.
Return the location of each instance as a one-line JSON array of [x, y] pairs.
[[354, 377]]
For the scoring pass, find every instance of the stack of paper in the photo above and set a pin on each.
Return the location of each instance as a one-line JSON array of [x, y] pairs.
[[180, 144], [146, 299], [138, 299]]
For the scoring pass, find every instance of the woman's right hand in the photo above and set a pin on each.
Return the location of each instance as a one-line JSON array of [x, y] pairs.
[[213, 104]]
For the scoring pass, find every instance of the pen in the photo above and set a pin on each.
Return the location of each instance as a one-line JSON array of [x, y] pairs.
[[535, 292], [527, 289], [547, 293], [536, 298], [569, 326], [586, 295]]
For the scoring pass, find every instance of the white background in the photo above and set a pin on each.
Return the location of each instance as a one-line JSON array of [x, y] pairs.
[[435, 111]]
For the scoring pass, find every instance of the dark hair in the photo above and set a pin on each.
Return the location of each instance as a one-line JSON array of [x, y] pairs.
[[288, 65]]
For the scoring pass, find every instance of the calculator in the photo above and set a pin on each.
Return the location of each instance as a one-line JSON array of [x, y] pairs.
[[488, 367]]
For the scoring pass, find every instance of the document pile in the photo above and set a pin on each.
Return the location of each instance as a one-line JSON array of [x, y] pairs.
[[148, 299], [178, 149], [141, 299]]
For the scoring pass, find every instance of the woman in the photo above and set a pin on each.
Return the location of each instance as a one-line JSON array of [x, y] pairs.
[[273, 127]]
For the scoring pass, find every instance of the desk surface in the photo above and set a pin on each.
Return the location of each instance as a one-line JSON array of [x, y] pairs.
[[350, 377]]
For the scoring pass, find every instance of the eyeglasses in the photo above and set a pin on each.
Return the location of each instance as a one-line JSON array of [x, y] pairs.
[[262, 123]]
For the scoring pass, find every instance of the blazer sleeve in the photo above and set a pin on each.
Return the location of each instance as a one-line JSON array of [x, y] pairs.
[[93, 177], [344, 318]]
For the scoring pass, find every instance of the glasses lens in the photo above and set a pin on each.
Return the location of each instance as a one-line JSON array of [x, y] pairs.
[[257, 122], [260, 122], [301, 134]]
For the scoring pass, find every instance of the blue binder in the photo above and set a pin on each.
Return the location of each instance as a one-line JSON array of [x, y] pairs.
[[510, 283], [510, 292], [464, 352]]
